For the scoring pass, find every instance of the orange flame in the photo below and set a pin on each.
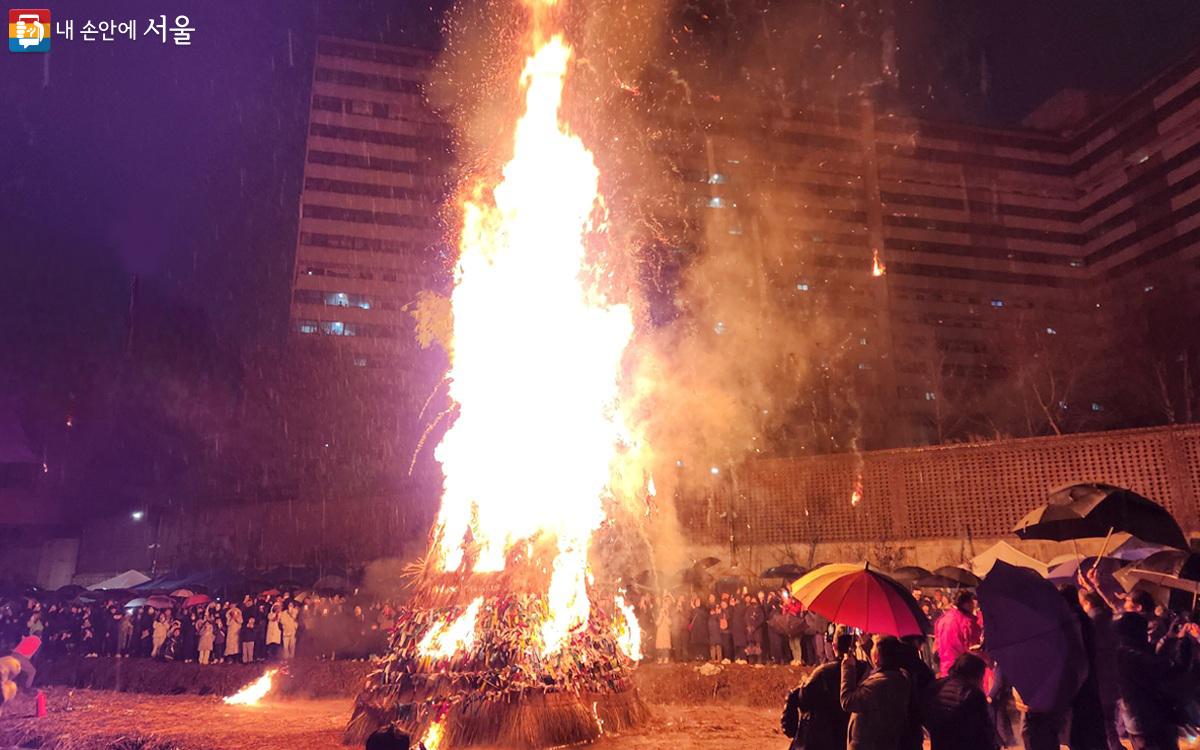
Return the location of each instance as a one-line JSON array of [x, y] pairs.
[[254, 692], [433, 735], [536, 358], [877, 267], [445, 639], [628, 630]]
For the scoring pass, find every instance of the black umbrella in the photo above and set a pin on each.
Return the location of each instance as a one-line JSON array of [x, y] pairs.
[[910, 574], [1092, 510], [787, 571], [935, 581], [69, 592], [960, 576], [792, 626], [1033, 635]]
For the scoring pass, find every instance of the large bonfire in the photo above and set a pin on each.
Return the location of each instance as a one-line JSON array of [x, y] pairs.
[[510, 642]]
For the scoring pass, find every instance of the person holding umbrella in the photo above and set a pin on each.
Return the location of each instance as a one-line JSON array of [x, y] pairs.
[[1087, 715], [1105, 645], [879, 703], [1035, 638]]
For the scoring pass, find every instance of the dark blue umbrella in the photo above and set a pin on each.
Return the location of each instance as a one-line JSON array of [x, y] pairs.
[[1033, 635]]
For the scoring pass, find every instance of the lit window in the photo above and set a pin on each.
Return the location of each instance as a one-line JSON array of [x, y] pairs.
[[930, 396], [1051, 331], [1062, 405], [802, 286], [714, 471], [1097, 407], [1148, 288], [308, 326], [716, 178], [1076, 263], [736, 231], [716, 202], [862, 341], [864, 366], [360, 361], [997, 303], [719, 328], [343, 299], [337, 328]]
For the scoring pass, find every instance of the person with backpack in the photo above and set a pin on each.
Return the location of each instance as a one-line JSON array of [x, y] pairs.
[[813, 716]]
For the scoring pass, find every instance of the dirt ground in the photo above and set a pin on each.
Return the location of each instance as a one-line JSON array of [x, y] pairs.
[[96, 720], [89, 720]]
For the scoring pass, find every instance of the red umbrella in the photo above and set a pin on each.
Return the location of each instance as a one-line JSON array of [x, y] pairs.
[[195, 600], [160, 602], [271, 592], [860, 597]]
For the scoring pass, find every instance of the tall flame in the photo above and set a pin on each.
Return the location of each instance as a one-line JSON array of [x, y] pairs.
[[254, 692], [877, 267], [536, 357]]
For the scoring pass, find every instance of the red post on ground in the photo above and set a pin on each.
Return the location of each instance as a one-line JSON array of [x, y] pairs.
[[41, 705]]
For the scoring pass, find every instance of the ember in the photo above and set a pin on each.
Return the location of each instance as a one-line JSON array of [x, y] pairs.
[[254, 692], [877, 267], [506, 644]]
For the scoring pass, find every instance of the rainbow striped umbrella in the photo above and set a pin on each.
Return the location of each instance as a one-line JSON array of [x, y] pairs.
[[860, 597]]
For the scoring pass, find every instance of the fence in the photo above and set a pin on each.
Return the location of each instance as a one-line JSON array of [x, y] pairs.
[[939, 492]]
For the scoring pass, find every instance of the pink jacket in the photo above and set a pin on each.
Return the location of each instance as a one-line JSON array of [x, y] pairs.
[[954, 634]]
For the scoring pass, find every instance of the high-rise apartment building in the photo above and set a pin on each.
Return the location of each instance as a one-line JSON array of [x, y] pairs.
[[1024, 267], [375, 171], [1016, 267]]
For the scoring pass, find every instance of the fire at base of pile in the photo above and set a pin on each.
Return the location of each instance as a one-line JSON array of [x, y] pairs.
[[471, 674]]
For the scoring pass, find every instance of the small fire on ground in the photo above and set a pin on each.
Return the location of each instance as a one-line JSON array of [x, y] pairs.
[[254, 692]]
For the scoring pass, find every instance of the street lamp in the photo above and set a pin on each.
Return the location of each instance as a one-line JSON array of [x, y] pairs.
[[138, 515]]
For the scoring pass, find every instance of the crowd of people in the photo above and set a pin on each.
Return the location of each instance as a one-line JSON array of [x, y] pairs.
[[887, 693], [271, 627], [866, 692], [759, 627]]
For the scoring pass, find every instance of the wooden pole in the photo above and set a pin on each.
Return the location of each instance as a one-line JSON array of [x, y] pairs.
[[1103, 549]]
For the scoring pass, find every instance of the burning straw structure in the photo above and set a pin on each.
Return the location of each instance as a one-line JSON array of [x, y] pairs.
[[506, 644], [493, 687]]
